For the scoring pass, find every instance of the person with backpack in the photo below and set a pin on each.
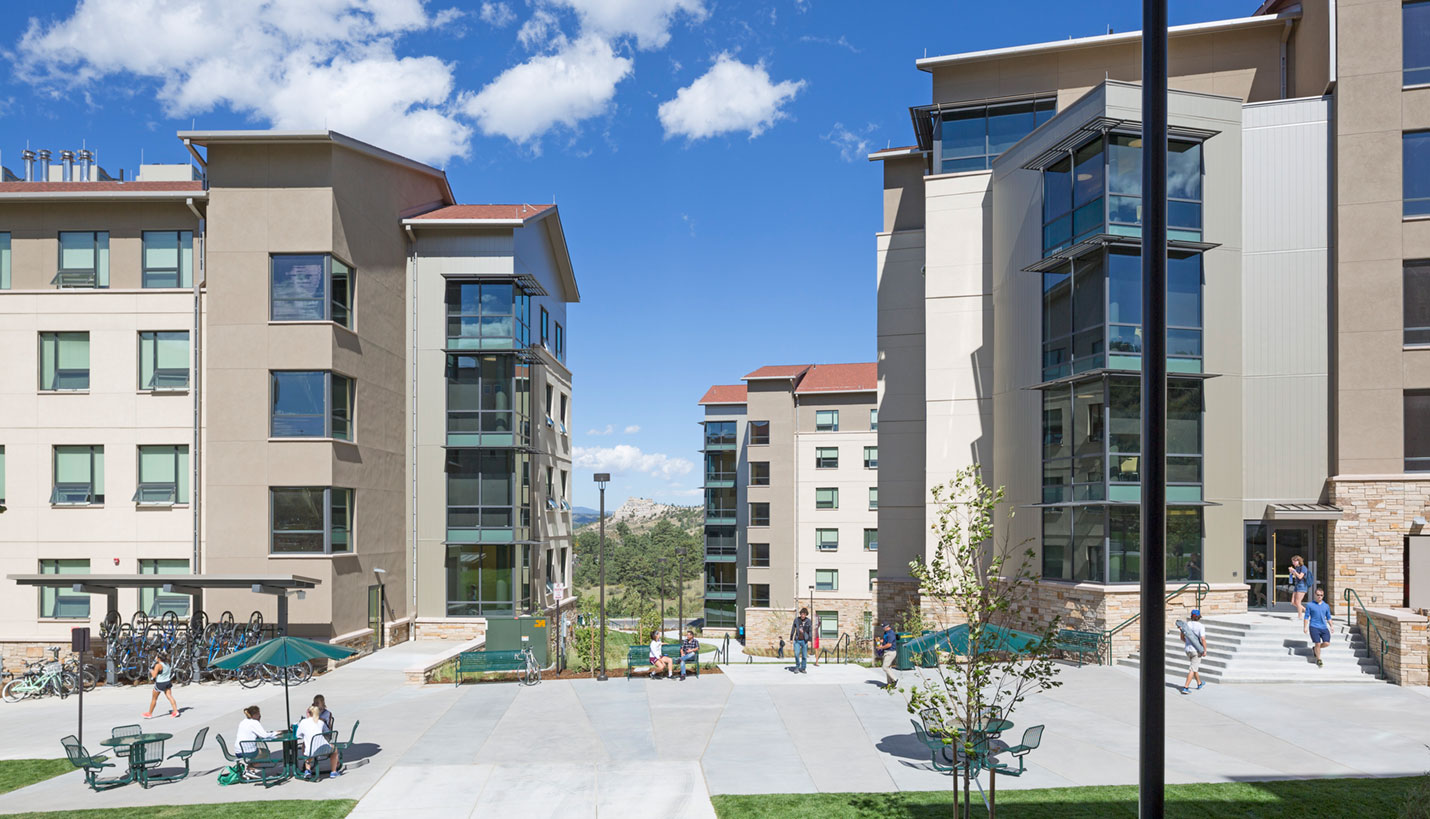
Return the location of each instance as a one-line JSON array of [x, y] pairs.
[[801, 634], [1194, 641], [1298, 574]]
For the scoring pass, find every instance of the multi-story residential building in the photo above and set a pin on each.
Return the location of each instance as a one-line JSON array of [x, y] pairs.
[[791, 486], [298, 357], [1009, 306]]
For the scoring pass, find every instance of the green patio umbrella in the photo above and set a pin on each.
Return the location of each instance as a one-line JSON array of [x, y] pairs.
[[283, 652]]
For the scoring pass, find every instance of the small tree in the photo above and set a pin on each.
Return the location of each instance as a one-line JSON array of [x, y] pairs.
[[987, 586]]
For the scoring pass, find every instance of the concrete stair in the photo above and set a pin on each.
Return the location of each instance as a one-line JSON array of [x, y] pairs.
[[1270, 648]]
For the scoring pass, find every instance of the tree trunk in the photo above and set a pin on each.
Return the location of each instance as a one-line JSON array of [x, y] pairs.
[[992, 793]]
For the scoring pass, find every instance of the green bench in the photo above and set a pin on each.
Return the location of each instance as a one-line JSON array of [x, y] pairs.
[[640, 655], [475, 662], [1071, 641]]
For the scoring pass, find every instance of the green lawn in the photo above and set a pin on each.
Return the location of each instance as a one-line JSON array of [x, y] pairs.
[[1302, 799], [17, 773], [279, 809]]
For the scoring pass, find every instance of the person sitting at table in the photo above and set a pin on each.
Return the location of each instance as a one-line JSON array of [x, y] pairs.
[[314, 742], [248, 741], [323, 713]]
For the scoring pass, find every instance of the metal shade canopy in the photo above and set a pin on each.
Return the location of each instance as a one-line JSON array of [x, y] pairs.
[[284, 652]]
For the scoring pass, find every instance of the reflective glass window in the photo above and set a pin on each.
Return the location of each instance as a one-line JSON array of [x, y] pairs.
[[168, 258], [1415, 171], [164, 360], [1415, 41]]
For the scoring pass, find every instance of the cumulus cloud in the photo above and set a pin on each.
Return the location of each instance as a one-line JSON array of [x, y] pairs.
[[610, 428], [575, 83], [632, 429], [295, 65], [732, 96], [852, 146], [625, 458], [648, 21], [499, 15]]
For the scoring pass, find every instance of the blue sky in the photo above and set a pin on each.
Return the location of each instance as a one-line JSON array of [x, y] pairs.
[[708, 156]]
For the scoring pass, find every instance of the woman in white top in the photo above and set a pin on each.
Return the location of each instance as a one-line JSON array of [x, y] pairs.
[[658, 660], [246, 741], [314, 744]]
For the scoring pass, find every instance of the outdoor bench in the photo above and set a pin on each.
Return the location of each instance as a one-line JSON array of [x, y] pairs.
[[640, 655], [1070, 641], [470, 662]]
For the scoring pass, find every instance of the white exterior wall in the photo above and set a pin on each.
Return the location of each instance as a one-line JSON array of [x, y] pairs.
[[113, 413], [851, 518]]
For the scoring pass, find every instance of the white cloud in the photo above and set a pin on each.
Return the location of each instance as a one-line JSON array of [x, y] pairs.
[[852, 146], [541, 28], [625, 458], [527, 100], [314, 64], [648, 21], [499, 15], [732, 96], [607, 431], [841, 42], [632, 429]]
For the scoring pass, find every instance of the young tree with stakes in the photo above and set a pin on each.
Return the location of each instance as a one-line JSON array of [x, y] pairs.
[[967, 575]]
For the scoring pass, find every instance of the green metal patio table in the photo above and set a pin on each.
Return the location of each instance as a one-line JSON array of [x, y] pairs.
[[125, 742]]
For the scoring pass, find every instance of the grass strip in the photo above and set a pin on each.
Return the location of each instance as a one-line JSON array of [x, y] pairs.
[[306, 808], [18, 773]]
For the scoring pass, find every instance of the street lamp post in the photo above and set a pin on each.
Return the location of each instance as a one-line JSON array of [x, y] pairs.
[[680, 590], [602, 478], [660, 589]]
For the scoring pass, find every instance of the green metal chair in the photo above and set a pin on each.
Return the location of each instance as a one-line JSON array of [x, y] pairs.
[[344, 746], [122, 751], [304, 758], [938, 749], [186, 755], [92, 765], [1032, 738], [145, 758]]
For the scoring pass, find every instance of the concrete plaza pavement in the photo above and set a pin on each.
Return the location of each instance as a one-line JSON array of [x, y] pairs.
[[585, 748]]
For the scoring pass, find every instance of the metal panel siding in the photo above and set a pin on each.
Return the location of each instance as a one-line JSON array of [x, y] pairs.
[[1285, 312]]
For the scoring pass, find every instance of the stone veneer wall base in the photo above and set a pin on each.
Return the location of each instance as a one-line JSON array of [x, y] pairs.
[[1407, 638]]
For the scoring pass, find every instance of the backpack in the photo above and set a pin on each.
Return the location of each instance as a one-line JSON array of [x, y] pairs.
[[232, 775]]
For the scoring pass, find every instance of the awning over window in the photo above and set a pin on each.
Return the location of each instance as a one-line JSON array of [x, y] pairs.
[[1302, 511]]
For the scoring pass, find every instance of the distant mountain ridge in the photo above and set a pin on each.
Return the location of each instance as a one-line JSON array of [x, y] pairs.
[[640, 514]]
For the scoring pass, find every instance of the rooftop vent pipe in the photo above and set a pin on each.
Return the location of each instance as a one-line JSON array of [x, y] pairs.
[[67, 162], [44, 165], [28, 157], [86, 158]]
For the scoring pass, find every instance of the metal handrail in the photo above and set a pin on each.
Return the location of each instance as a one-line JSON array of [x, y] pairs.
[[841, 648], [1348, 594], [1201, 595]]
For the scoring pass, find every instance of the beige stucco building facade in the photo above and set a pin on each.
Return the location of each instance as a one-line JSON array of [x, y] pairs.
[[247, 366], [1009, 321]]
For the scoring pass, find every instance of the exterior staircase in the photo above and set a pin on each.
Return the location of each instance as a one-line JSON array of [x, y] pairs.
[[1270, 648]]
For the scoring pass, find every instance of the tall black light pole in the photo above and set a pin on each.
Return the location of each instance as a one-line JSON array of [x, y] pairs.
[[660, 590], [1152, 752], [602, 478], [680, 590]]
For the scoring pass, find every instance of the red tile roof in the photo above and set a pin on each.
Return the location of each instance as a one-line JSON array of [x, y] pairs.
[[863, 377], [485, 212], [80, 187], [725, 394], [778, 371]]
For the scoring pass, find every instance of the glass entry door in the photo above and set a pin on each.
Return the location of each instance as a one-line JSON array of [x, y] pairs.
[[1269, 548], [1288, 542], [1257, 566]]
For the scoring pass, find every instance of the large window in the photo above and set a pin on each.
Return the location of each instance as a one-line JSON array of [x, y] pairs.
[[489, 495], [1090, 543], [164, 360], [759, 555], [64, 361], [759, 473], [560, 342], [871, 540], [168, 259], [545, 328], [874, 420], [721, 541], [760, 595], [84, 259], [488, 400], [720, 469], [719, 434], [1417, 430], [157, 602], [871, 457], [311, 287], [163, 478], [312, 404], [759, 514], [826, 540], [1415, 170], [78, 476], [828, 624], [1415, 41], [873, 497], [1417, 300], [826, 497], [759, 432], [1092, 314], [826, 580], [969, 139], [310, 520], [721, 505], [62, 603], [826, 457], [488, 579], [826, 420], [487, 315], [1097, 188], [4, 261]]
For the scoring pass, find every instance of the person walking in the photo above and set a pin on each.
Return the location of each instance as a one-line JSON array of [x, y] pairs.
[[1194, 641], [163, 674], [886, 652], [801, 633], [1317, 623], [689, 651], [1299, 576]]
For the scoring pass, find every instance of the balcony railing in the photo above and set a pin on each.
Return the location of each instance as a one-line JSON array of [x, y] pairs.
[[721, 591]]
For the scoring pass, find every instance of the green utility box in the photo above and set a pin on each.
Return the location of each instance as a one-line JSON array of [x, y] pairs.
[[506, 633]]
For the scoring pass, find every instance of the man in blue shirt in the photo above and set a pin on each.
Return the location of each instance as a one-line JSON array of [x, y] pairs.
[[689, 652], [1317, 623], [886, 651]]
